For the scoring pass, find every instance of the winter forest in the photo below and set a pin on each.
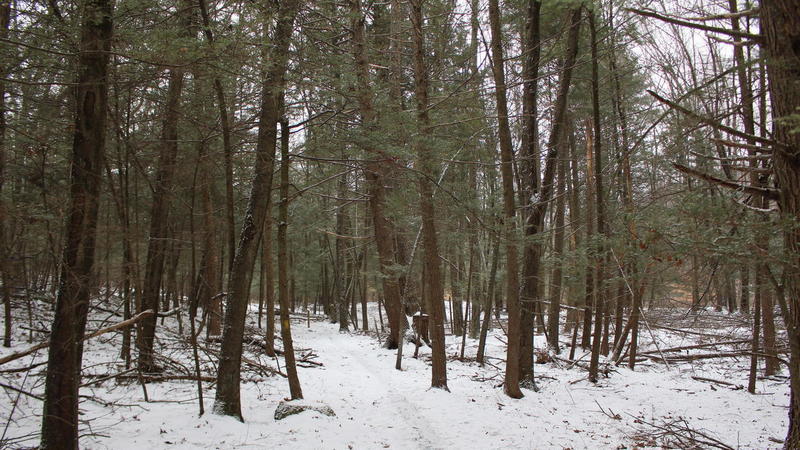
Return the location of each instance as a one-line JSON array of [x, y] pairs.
[[414, 224]]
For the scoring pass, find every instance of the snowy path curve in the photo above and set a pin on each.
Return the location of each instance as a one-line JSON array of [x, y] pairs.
[[375, 387]]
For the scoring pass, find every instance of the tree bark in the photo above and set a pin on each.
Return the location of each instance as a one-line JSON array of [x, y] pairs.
[[425, 165], [283, 268], [541, 199], [269, 282], [157, 247], [60, 413], [341, 250], [227, 401], [376, 173], [5, 247], [531, 266], [780, 22], [558, 249], [512, 375], [600, 293]]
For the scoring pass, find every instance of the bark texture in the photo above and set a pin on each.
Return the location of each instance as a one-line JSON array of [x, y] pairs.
[[227, 401], [780, 22], [429, 239], [60, 413]]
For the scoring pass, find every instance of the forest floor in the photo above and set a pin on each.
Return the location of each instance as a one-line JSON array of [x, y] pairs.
[[377, 406]]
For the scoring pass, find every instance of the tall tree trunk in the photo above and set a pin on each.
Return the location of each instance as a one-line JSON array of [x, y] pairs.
[[60, 413], [341, 249], [541, 199], [456, 298], [227, 401], [5, 247], [629, 265], [376, 173], [512, 375], [283, 268], [558, 248], [754, 343], [600, 294], [157, 248], [425, 164], [780, 22], [488, 302], [227, 141], [531, 282], [207, 287], [269, 283]]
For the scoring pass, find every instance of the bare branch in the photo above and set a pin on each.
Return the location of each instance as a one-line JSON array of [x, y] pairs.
[[710, 122], [697, 26], [123, 324], [769, 194]]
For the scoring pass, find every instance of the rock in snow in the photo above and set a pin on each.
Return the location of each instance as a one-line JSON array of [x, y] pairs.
[[286, 409]]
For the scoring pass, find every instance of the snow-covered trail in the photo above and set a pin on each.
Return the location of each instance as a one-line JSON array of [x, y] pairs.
[[379, 407], [363, 389]]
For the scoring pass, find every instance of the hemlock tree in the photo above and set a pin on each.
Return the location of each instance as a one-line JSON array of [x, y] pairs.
[[780, 24], [227, 401], [425, 166], [60, 411]]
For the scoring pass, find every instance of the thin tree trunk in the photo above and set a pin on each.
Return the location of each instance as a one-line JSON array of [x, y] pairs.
[[283, 267], [159, 213], [269, 283], [558, 248], [768, 326], [600, 285], [488, 303], [754, 346], [227, 141], [512, 374], [341, 273], [207, 288]]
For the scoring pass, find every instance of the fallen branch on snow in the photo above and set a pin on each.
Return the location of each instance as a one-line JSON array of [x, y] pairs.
[[123, 324]]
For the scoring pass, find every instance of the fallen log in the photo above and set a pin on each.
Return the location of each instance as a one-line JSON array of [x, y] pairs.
[[697, 346], [724, 383], [698, 356], [157, 378], [37, 347]]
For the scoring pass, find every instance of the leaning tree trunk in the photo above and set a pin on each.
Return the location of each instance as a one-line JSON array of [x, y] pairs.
[[60, 413], [780, 22], [227, 400]]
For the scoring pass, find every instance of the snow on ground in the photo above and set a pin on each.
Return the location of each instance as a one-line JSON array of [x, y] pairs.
[[379, 407]]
